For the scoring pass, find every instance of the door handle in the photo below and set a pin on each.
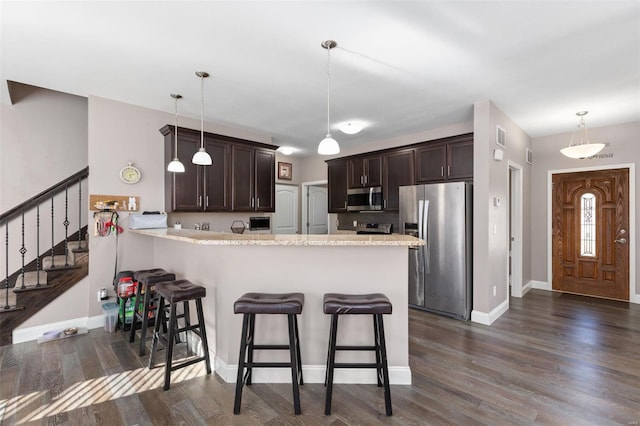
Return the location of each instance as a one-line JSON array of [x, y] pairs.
[[620, 240]]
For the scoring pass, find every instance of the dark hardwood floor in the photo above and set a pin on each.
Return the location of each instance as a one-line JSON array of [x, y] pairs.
[[551, 359]]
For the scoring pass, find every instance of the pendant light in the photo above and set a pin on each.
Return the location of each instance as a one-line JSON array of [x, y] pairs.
[[328, 145], [175, 165], [582, 148], [201, 157]]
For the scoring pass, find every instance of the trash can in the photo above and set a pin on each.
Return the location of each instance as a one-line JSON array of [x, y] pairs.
[[110, 311]]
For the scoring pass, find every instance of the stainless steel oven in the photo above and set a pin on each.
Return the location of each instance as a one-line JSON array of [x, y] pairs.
[[364, 199]]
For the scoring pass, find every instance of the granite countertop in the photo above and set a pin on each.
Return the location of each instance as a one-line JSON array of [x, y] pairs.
[[223, 238]]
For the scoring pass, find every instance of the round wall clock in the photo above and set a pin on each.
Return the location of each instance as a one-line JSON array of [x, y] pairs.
[[130, 174]]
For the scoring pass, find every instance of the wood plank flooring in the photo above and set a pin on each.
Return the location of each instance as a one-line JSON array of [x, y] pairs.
[[551, 359]]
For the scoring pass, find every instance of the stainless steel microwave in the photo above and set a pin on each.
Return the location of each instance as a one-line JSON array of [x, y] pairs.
[[364, 199]]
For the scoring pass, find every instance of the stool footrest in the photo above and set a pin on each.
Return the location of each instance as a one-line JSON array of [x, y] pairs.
[[356, 348], [188, 363], [270, 347], [356, 365], [267, 364]]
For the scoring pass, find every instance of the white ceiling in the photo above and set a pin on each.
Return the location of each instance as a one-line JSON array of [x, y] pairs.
[[402, 67]]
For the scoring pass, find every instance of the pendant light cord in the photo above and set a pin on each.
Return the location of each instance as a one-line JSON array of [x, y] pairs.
[[328, 86], [202, 111], [176, 108]]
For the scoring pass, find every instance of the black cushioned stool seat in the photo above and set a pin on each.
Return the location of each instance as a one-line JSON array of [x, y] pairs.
[[146, 279], [172, 293], [249, 305], [376, 305]]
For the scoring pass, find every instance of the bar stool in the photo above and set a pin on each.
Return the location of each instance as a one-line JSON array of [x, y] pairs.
[[174, 292], [376, 305], [250, 304], [146, 279]]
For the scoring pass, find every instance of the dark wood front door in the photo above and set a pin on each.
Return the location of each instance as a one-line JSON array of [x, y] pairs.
[[591, 233]]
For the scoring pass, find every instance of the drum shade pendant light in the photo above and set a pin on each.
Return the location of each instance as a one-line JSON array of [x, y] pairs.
[[175, 165], [328, 145], [582, 148], [201, 157]]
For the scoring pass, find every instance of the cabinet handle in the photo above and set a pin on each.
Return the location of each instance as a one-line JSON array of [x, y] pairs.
[[366, 179], [257, 203], [448, 171], [442, 171], [361, 180], [345, 205], [199, 200], [251, 202], [385, 203], [207, 201]]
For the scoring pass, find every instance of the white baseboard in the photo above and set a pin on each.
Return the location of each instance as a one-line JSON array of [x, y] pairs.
[[540, 285], [528, 286], [489, 318], [313, 374], [32, 333]]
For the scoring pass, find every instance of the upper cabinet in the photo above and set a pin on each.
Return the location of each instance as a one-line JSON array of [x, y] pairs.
[[447, 159], [365, 171], [337, 172], [253, 178], [397, 170], [241, 177]]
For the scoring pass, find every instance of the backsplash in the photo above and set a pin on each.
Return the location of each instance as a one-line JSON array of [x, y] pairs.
[[345, 220]]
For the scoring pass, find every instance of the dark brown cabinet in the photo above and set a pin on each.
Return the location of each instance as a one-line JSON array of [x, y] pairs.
[[241, 177], [253, 179], [397, 170], [450, 159], [199, 188], [337, 173], [365, 171]]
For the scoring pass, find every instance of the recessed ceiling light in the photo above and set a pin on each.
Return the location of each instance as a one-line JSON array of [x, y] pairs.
[[351, 127], [286, 150]]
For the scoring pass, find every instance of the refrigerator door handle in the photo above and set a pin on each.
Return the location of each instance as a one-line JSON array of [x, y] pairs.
[[424, 231]]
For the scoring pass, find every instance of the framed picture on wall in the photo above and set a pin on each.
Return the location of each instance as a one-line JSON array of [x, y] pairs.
[[285, 171]]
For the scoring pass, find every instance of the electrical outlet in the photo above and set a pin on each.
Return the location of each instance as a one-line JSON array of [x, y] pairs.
[[494, 291]]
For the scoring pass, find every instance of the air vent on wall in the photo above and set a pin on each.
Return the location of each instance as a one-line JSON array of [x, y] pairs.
[[501, 136], [529, 156]]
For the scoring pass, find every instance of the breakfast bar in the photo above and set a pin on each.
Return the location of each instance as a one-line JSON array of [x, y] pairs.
[[229, 265]]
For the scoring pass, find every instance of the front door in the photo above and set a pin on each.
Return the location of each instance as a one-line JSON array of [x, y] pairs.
[[591, 233]]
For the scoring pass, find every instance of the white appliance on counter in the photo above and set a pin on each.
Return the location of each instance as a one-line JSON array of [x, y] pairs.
[[440, 275]]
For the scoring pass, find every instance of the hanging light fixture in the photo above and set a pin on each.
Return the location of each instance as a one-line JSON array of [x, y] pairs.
[[328, 145], [582, 148], [201, 157], [175, 165]]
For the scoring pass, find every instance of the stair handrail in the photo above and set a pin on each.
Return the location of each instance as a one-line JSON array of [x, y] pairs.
[[46, 194]]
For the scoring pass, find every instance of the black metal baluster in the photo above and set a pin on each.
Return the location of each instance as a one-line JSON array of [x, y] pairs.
[[38, 245], [6, 263], [23, 251], [79, 213], [53, 256], [66, 226]]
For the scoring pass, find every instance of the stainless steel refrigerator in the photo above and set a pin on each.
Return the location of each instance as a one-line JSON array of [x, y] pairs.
[[440, 275]]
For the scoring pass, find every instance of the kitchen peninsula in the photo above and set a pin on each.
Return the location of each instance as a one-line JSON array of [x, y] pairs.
[[229, 265]]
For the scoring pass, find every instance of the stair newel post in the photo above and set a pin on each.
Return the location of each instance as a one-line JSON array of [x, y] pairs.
[[6, 263], [53, 255], [38, 245], [66, 225], [23, 251]]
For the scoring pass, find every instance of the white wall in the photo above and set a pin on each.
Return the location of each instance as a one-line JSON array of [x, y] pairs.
[[624, 148], [491, 223]]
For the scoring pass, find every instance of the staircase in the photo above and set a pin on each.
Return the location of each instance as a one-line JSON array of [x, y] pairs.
[[39, 280]]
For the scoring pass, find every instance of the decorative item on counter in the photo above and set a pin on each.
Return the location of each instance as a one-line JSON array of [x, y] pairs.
[[197, 227], [204, 226], [237, 227], [177, 225]]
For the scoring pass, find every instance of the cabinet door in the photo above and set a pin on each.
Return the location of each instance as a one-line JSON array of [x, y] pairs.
[[460, 160], [265, 180], [356, 173], [431, 163], [242, 178], [398, 170], [216, 177], [337, 174], [373, 171], [186, 188]]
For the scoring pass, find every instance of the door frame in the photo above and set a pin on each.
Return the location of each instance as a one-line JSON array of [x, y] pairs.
[[633, 297], [515, 200], [304, 211]]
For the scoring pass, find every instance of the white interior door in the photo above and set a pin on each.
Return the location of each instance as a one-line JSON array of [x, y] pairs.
[[286, 215], [317, 211]]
